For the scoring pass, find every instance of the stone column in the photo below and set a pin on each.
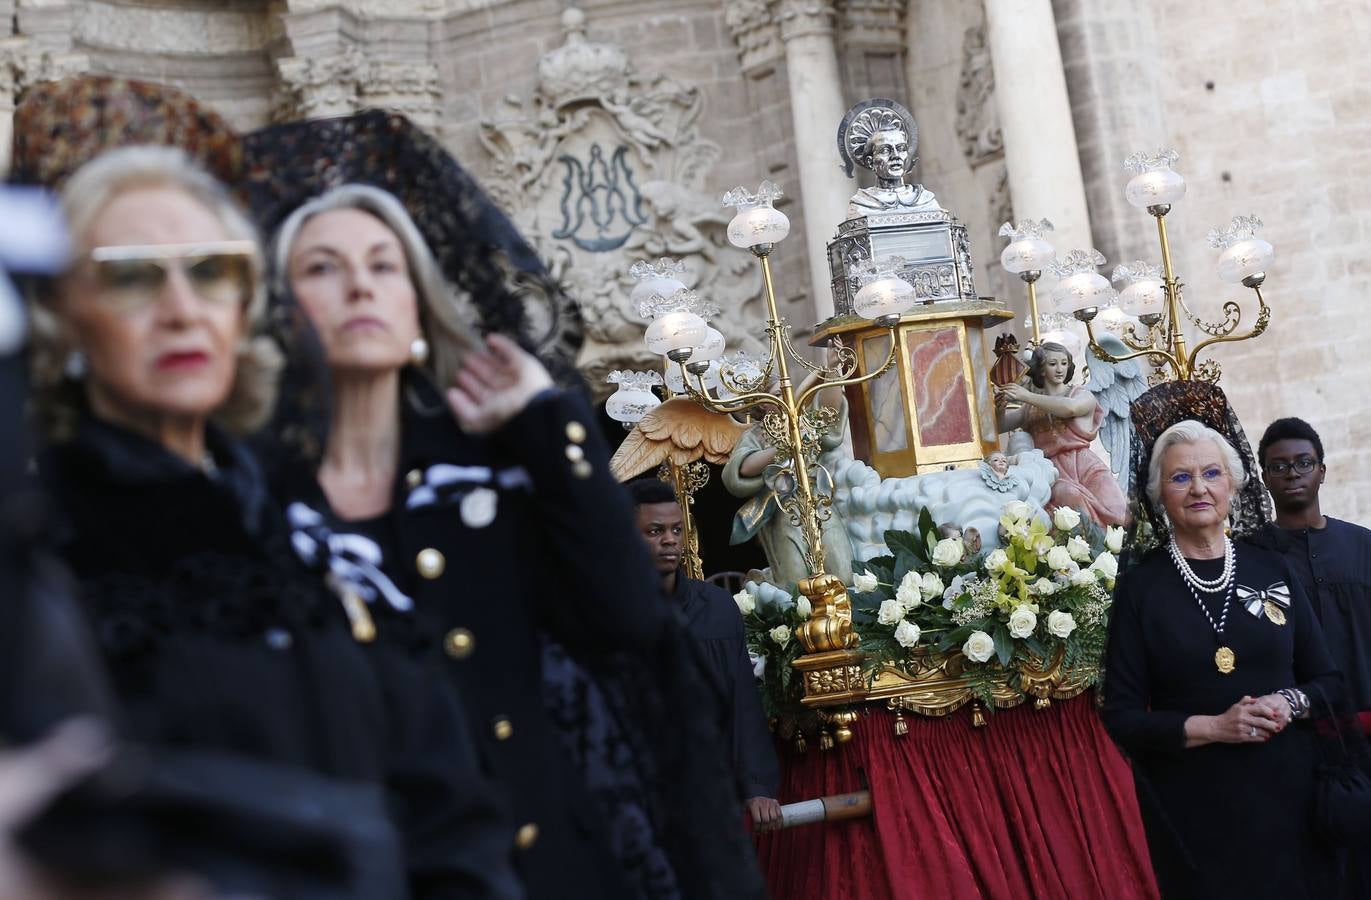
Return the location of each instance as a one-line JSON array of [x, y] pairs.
[[1035, 119], [817, 108]]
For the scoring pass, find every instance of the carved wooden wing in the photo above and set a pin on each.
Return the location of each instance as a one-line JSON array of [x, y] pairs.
[[679, 431]]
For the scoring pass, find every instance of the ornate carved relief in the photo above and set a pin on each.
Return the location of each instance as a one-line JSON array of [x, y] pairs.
[[603, 166], [755, 32], [345, 82], [978, 121], [873, 23]]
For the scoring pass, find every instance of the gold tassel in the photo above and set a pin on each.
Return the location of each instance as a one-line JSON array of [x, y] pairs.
[[801, 746], [825, 741], [901, 726], [359, 617], [977, 714]]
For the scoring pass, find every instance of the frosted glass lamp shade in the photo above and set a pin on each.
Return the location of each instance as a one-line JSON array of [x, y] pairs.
[[654, 285], [1142, 297], [677, 330], [762, 224], [711, 348], [1245, 258], [1082, 290], [889, 296], [1156, 187], [1028, 255], [629, 404]]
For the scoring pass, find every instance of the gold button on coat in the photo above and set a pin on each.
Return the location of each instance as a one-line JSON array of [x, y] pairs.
[[430, 563], [459, 643], [575, 453], [575, 432], [526, 836], [414, 478], [582, 469], [503, 728]]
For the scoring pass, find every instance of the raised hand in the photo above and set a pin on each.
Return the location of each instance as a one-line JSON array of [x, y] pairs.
[[495, 384]]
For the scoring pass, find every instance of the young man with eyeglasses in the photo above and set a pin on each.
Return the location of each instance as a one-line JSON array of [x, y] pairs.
[[1331, 558]]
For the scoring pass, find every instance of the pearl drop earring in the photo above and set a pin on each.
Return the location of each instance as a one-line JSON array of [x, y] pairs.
[[418, 351]]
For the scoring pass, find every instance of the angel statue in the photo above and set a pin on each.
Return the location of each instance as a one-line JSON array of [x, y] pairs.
[[752, 473], [1063, 419], [679, 432], [880, 135]]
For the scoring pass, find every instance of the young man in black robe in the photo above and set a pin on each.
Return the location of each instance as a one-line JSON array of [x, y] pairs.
[[1332, 560], [714, 623]]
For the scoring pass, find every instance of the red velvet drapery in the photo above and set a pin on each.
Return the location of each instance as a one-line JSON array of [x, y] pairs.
[[1037, 804]]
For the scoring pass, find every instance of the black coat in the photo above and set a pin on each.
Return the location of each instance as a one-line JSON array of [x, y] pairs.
[[714, 623], [505, 540], [217, 638]]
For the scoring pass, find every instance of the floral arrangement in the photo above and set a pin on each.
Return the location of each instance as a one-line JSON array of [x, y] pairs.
[[1047, 591]]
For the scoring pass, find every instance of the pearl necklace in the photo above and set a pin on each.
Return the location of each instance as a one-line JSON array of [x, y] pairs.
[[1225, 660], [1207, 585]]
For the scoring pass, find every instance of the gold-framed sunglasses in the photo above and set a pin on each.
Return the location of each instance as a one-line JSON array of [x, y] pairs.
[[130, 278]]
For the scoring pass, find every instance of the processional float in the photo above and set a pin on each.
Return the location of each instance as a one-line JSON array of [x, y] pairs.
[[949, 614]]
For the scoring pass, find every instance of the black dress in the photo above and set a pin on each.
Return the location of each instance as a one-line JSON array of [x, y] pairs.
[[504, 541], [714, 624], [1222, 820], [217, 638]]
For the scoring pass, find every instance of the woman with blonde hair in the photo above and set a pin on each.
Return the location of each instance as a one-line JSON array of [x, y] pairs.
[[146, 364]]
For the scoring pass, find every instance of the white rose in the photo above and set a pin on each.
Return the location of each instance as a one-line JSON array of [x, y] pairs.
[[1083, 577], [891, 611], [781, 635], [1113, 539], [1043, 587], [1017, 510], [1042, 545], [1078, 548], [1107, 565], [907, 594], [746, 602], [1059, 559], [803, 607], [979, 647], [997, 560], [1060, 624], [1065, 518], [948, 552], [932, 586], [1022, 622], [865, 581], [907, 634]]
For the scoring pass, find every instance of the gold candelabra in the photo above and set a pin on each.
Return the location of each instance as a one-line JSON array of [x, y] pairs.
[[1162, 339], [793, 427], [1161, 310]]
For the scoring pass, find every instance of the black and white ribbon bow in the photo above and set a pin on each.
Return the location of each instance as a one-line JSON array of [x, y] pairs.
[[352, 558], [444, 483], [1252, 599]]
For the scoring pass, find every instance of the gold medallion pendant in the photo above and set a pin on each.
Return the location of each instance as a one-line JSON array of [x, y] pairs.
[[1225, 660], [1274, 612]]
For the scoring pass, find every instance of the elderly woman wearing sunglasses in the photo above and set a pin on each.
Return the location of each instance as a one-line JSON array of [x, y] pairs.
[[1214, 656], [216, 637]]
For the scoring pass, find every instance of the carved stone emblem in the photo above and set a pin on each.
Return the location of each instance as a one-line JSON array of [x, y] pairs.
[[603, 166]]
